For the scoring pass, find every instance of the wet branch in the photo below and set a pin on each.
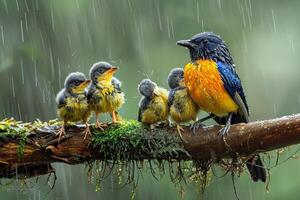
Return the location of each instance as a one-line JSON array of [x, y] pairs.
[[42, 147]]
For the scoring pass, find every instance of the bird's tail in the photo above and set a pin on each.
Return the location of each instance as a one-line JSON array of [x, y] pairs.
[[256, 169]]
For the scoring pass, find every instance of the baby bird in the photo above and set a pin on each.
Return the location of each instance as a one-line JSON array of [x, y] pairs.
[[182, 107], [72, 102], [104, 94], [153, 106]]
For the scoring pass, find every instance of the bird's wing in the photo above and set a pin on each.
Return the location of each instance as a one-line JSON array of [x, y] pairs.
[[171, 97], [90, 91], [61, 98], [232, 84], [142, 107], [117, 84]]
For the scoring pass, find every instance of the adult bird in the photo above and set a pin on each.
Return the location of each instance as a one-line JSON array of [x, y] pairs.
[[215, 86], [72, 102], [104, 93], [153, 106], [181, 106]]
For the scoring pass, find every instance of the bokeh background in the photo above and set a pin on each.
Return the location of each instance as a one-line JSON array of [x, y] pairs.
[[42, 41]]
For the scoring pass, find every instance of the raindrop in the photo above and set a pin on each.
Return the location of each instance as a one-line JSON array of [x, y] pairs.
[[22, 71], [19, 112], [35, 73], [22, 31], [5, 5], [168, 25], [219, 4], [26, 22], [59, 72], [52, 19], [292, 45], [159, 17], [17, 3], [243, 16], [250, 9], [130, 6], [13, 87], [94, 9], [274, 22], [26, 4], [2, 34], [172, 29], [37, 5]]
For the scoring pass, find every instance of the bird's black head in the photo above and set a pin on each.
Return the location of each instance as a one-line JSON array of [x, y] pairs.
[[208, 46], [102, 72], [147, 88], [76, 83], [175, 78]]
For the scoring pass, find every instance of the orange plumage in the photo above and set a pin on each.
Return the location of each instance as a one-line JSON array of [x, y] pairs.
[[205, 86]]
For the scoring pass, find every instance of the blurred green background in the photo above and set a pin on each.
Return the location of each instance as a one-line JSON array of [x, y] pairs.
[[42, 41]]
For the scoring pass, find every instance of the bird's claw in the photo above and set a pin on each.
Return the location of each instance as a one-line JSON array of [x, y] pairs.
[[196, 126], [100, 126], [224, 131], [60, 133], [179, 129], [86, 132]]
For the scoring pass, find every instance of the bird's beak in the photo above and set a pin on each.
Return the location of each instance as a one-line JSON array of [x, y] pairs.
[[186, 43], [156, 92], [80, 88], [107, 76]]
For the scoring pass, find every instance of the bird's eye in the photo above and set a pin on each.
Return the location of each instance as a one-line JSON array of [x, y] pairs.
[[205, 41]]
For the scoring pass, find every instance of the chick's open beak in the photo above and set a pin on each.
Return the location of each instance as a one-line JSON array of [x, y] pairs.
[[108, 74]]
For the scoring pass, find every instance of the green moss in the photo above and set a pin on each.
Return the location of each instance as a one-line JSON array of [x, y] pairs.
[[116, 131]]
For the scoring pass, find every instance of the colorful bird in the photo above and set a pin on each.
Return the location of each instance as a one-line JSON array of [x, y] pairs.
[[214, 85], [153, 106], [72, 102], [104, 94], [181, 105]]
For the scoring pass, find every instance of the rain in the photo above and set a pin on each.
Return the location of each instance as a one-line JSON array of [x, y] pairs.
[[43, 41]]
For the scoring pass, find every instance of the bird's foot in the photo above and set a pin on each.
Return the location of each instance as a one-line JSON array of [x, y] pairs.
[[198, 124], [224, 131], [100, 126], [179, 129], [60, 133], [86, 132]]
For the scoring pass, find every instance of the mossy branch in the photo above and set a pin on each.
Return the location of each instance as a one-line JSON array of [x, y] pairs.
[[34, 145]]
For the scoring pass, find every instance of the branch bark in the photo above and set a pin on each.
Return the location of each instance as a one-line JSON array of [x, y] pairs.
[[42, 147]]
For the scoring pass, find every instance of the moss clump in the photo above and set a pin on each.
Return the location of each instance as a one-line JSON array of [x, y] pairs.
[[116, 131], [132, 140]]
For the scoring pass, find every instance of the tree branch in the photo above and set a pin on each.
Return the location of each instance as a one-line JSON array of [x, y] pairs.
[[137, 142]]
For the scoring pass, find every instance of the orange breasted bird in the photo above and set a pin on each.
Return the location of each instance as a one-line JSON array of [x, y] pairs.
[[72, 102], [181, 105], [213, 83], [153, 106], [104, 93]]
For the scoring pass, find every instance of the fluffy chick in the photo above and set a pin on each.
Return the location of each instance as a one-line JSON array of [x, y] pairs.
[[182, 108], [104, 93], [72, 102], [153, 106]]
